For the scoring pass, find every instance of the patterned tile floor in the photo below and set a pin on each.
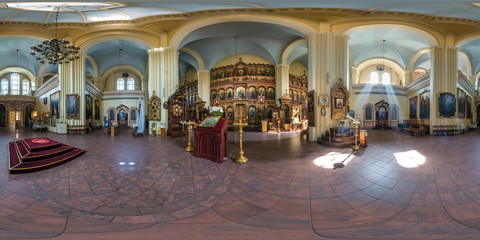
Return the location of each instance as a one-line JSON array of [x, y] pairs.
[[400, 187]]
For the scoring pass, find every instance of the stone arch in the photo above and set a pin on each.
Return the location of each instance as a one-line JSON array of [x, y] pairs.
[[183, 31], [201, 63], [286, 52], [466, 59], [431, 37], [88, 43], [94, 65], [415, 57], [20, 70]]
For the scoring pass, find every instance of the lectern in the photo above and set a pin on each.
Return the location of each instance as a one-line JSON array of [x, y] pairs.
[[211, 138]]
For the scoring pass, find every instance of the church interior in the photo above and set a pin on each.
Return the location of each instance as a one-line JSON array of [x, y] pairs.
[[233, 120]]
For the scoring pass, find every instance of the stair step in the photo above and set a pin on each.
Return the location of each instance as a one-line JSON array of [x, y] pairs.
[[33, 146], [28, 166], [13, 158], [21, 148], [40, 155]]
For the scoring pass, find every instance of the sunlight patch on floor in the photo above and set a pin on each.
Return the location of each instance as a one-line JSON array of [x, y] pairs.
[[410, 159], [326, 161]]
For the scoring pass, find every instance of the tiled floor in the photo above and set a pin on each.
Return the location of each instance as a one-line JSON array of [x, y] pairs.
[[400, 187]]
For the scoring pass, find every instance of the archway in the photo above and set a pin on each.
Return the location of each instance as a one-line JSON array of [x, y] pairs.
[[382, 115], [28, 115], [3, 116]]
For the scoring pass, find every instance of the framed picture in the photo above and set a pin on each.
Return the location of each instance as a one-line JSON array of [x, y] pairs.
[[88, 106], [45, 100], [323, 111], [55, 104], [282, 114], [469, 107], [323, 100], [413, 107], [446, 105], [72, 106], [275, 114], [310, 101], [425, 105], [210, 121], [97, 110], [461, 104], [339, 103]]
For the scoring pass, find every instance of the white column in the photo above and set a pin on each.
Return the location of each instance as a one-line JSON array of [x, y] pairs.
[[443, 78], [327, 62], [204, 86], [282, 81], [162, 76], [71, 78]]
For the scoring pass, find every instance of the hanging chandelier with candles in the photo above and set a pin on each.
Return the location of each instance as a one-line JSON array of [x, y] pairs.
[[55, 51]]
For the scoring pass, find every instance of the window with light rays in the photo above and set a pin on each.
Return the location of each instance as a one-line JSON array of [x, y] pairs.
[[25, 87], [386, 78], [4, 87], [15, 82], [120, 84], [130, 84], [374, 78]]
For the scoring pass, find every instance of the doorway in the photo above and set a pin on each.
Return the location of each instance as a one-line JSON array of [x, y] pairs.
[[28, 115], [3, 116], [382, 118]]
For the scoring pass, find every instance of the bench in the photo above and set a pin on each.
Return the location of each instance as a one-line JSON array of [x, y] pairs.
[[77, 129], [413, 129], [445, 130]]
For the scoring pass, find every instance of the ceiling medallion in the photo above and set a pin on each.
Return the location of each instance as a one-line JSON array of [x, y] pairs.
[[55, 51]]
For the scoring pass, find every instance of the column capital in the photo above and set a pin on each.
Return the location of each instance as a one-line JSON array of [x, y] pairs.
[[161, 49], [282, 65]]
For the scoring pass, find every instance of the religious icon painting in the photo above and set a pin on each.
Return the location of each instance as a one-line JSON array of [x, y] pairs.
[[446, 105], [213, 95], [252, 94], [240, 92], [270, 93], [261, 91], [88, 106], [221, 94], [229, 93], [251, 112], [97, 110], [72, 106], [425, 105], [55, 104], [461, 104], [413, 107], [469, 107]]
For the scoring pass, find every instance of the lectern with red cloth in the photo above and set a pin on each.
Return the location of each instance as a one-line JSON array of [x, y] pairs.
[[211, 141]]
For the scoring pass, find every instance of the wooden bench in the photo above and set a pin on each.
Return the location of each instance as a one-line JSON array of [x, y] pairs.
[[414, 129], [77, 129], [445, 130]]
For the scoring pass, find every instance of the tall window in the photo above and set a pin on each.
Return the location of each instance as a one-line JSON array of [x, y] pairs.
[[394, 113], [25, 87], [130, 84], [111, 115], [368, 113], [133, 115], [120, 84], [386, 78], [4, 87], [33, 85], [373, 78], [15, 82]]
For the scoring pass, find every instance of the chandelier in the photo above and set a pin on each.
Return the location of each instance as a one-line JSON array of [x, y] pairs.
[[55, 51]]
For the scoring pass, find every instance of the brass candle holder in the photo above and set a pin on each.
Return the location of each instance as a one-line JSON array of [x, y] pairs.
[[278, 126], [189, 124], [240, 159]]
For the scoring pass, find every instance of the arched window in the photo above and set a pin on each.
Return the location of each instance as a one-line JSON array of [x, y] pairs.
[[386, 78], [15, 83], [25, 87], [133, 115], [4, 87], [130, 84], [111, 115], [33, 85], [120, 84], [368, 113], [373, 78], [394, 113]]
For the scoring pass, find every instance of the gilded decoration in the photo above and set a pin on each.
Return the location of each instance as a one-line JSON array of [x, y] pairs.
[[339, 100], [298, 87], [154, 108], [238, 89]]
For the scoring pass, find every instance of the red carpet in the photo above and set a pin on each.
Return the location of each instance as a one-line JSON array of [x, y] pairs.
[[32, 154]]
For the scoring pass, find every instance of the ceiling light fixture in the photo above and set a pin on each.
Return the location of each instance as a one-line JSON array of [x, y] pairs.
[[55, 51]]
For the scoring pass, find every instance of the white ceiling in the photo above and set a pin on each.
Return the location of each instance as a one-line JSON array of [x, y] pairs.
[[126, 10]]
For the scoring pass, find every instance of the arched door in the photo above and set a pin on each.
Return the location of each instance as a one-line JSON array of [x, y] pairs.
[[3, 116], [28, 115], [382, 118], [478, 114]]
